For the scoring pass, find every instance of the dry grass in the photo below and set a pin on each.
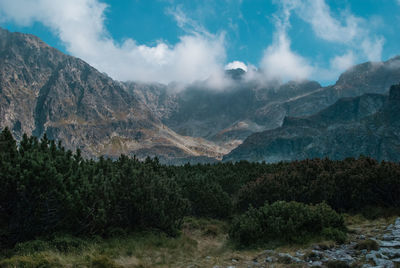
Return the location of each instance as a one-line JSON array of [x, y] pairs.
[[203, 243]]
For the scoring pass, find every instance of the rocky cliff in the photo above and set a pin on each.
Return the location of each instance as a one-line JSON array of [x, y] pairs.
[[366, 125], [45, 91], [229, 116]]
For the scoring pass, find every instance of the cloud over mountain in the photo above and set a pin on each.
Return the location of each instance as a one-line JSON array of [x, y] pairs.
[[80, 25], [200, 53]]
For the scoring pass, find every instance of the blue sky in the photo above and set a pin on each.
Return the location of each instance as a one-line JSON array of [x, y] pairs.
[[175, 40]]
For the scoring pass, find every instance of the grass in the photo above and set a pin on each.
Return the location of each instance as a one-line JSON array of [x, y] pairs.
[[202, 243]]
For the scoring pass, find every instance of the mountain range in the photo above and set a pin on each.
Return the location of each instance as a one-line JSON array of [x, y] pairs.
[[366, 125], [43, 90]]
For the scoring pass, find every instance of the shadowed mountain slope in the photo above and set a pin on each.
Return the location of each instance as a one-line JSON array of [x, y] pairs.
[[367, 125]]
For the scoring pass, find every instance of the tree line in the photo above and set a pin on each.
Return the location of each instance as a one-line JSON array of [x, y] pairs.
[[46, 189]]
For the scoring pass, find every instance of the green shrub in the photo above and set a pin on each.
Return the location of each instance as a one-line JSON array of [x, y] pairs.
[[207, 198], [367, 244], [67, 243], [116, 232], [286, 221], [31, 247], [347, 185], [334, 234]]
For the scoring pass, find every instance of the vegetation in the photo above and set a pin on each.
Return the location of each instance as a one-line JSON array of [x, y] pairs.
[[136, 249], [367, 244], [287, 221], [47, 191], [348, 185]]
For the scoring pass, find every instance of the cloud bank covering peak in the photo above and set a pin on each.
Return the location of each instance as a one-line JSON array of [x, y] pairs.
[[199, 54]]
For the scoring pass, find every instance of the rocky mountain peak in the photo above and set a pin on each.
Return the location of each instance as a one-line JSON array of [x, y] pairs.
[[235, 74]]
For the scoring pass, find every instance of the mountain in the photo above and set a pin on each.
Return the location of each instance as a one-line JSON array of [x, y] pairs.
[[227, 117], [366, 125], [45, 91]]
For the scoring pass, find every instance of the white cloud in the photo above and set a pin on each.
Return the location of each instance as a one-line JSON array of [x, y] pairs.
[[346, 29], [80, 26], [318, 14], [236, 65], [373, 49], [279, 62], [337, 65], [199, 55], [343, 62]]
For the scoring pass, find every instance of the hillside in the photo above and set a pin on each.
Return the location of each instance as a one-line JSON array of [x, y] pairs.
[[229, 116], [45, 91], [366, 125]]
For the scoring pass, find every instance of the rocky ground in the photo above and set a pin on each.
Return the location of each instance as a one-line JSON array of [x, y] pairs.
[[369, 245]]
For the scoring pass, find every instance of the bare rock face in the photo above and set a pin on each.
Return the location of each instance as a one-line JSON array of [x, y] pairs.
[[227, 117], [26, 63], [45, 91], [366, 125]]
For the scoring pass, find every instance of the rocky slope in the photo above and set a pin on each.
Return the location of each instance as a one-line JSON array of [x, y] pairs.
[[366, 125], [45, 91], [369, 245], [228, 116]]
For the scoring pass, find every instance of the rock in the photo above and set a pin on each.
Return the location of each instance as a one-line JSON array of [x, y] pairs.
[[287, 258], [391, 244], [390, 252], [388, 237], [300, 254], [316, 263], [269, 259], [378, 259], [316, 247]]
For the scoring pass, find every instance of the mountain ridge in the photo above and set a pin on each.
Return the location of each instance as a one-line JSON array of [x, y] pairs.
[[366, 125], [43, 90]]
